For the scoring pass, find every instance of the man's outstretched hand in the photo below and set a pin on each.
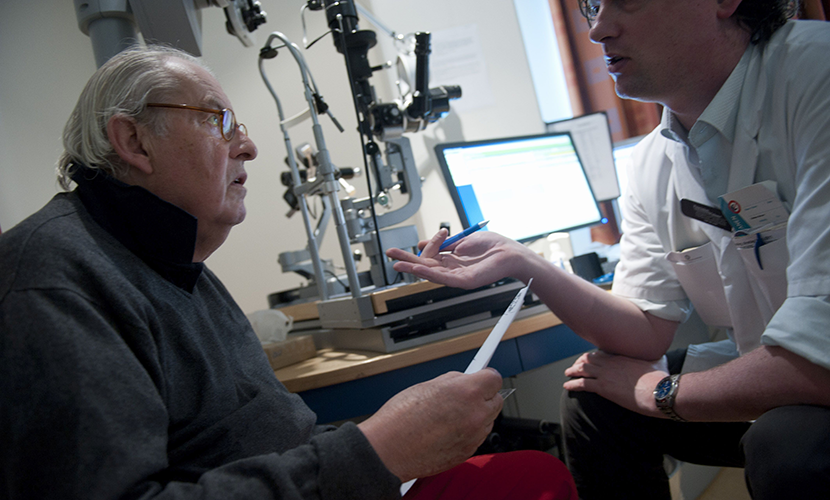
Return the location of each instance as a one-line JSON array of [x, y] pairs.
[[477, 260]]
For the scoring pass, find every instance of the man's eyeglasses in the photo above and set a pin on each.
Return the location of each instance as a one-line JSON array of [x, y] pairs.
[[589, 9], [225, 119]]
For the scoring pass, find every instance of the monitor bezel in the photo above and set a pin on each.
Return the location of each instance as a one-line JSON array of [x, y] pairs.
[[456, 199]]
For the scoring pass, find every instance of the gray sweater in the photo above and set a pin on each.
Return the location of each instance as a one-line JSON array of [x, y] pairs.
[[127, 371]]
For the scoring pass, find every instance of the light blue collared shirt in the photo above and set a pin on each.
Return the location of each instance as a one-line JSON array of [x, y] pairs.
[[709, 142]]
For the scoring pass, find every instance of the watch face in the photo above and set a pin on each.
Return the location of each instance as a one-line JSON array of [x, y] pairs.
[[663, 388]]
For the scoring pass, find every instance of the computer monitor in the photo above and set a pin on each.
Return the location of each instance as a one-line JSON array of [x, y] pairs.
[[592, 137], [527, 187], [622, 160]]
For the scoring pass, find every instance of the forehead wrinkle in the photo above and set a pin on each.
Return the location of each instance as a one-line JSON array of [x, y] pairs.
[[201, 82]]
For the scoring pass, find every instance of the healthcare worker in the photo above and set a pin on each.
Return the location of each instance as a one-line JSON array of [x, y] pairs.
[[744, 147]]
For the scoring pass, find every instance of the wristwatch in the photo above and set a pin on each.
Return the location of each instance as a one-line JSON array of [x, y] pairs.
[[664, 395]]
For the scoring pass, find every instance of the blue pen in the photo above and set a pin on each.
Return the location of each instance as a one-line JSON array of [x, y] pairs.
[[758, 243], [463, 234]]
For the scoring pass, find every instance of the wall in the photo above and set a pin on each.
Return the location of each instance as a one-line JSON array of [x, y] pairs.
[[46, 60], [514, 110]]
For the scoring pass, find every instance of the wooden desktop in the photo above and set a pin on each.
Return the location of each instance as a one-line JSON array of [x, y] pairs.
[[341, 384]]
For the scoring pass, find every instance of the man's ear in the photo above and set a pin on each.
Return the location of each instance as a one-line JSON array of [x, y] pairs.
[[727, 7], [127, 140]]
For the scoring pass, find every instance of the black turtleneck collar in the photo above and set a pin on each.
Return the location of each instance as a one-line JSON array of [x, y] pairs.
[[158, 232]]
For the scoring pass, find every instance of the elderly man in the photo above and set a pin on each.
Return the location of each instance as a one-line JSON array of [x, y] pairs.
[[746, 96], [127, 370]]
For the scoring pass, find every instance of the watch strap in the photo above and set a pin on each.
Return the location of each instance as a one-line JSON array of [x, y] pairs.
[[666, 403]]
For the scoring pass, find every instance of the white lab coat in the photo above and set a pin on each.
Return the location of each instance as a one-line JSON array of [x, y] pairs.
[[782, 134]]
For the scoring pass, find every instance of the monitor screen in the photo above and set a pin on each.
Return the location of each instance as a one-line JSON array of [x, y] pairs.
[[622, 160], [527, 187]]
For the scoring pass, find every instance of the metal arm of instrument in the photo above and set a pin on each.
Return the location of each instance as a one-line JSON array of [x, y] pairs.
[[325, 170]]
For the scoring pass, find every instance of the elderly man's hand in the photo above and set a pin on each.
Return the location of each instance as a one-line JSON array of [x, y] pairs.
[[435, 425]]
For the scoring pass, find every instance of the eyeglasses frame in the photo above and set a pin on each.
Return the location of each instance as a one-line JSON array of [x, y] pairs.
[[220, 112]]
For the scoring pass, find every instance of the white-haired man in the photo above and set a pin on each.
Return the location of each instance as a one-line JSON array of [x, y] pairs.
[[126, 368]]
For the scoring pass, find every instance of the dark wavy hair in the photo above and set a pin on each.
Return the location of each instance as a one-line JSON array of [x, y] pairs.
[[759, 17], [762, 17]]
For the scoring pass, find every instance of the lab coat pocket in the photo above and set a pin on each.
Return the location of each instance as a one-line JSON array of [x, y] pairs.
[[697, 271], [766, 257]]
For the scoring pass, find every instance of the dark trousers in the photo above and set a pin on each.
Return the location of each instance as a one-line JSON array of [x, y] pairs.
[[615, 453]]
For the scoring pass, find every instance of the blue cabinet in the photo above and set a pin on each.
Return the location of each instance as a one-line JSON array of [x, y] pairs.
[[513, 356]]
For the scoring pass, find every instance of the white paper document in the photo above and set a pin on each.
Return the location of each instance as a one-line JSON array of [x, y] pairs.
[[485, 352]]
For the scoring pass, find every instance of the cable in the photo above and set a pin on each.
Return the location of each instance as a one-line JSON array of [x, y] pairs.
[[363, 149], [345, 286], [308, 46]]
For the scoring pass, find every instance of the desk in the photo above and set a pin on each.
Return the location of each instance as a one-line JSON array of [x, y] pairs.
[[339, 385]]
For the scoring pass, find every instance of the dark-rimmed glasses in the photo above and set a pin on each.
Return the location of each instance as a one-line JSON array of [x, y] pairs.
[[227, 125], [590, 8]]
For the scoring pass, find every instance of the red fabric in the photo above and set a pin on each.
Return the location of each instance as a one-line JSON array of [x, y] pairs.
[[519, 475]]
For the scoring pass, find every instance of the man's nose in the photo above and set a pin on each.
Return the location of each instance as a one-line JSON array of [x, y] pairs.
[[243, 146], [603, 25]]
